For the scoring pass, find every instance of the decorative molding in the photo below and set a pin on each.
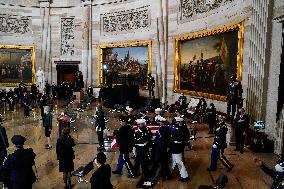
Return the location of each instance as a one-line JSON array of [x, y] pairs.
[[15, 24], [190, 8], [128, 20], [67, 37]]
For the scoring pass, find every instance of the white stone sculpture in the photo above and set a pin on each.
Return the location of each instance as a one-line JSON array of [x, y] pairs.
[[40, 78]]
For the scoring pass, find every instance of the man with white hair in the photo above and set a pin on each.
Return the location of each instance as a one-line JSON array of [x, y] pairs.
[[179, 139], [158, 117], [142, 139]]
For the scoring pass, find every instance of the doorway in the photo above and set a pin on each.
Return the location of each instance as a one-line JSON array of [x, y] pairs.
[[66, 73]]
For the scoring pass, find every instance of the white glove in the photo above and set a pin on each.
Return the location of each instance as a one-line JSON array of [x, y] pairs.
[[214, 146]]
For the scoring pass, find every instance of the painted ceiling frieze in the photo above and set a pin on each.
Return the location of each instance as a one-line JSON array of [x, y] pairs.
[[126, 20]]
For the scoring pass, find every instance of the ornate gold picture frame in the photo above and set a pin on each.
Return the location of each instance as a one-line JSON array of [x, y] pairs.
[[17, 63], [125, 63], [205, 61]]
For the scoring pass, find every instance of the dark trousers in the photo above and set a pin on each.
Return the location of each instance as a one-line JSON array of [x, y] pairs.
[[142, 159], [217, 155], [161, 167], [240, 139], [211, 126], [123, 159], [3, 154], [231, 107], [100, 138]]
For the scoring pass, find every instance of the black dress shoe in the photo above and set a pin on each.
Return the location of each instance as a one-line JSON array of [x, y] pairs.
[[230, 168], [209, 169], [184, 179]]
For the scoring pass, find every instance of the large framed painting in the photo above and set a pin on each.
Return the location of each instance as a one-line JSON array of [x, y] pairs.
[[125, 63], [17, 63], [205, 61]]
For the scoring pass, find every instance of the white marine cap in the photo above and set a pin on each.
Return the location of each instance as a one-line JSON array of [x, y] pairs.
[[128, 109], [140, 121], [160, 119], [179, 119], [158, 110]]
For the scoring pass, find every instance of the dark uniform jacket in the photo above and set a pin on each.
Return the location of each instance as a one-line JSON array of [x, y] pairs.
[[65, 153], [101, 178], [243, 125], [278, 178], [18, 169], [47, 121], [143, 135], [100, 120], [125, 139], [221, 133], [179, 138], [3, 139], [211, 113]]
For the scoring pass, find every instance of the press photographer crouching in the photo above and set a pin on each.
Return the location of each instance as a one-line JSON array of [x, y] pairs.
[[277, 175], [101, 177]]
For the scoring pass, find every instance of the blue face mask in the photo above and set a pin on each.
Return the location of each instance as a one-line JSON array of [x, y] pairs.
[[279, 168]]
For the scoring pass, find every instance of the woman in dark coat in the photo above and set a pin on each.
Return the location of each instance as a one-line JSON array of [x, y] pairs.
[[18, 167], [65, 156], [101, 177], [47, 124]]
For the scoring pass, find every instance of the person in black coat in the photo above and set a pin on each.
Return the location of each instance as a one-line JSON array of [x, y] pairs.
[[211, 113], [19, 166], [90, 91], [100, 126], [277, 175], [42, 103], [101, 177], [241, 123], [65, 156], [201, 109], [26, 104], [125, 141], [4, 144], [47, 124]]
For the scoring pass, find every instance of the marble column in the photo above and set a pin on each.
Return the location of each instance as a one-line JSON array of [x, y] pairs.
[[86, 65], [161, 67], [46, 40]]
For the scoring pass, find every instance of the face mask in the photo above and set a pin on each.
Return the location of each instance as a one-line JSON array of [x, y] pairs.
[[278, 168]]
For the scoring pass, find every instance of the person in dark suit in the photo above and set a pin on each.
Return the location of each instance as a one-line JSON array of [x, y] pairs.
[[65, 156], [100, 126], [125, 141], [26, 103], [241, 123], [4, 144], [101, 177], [47, 124], [211, 113], [19, 166], [90, 91], [201, 109]]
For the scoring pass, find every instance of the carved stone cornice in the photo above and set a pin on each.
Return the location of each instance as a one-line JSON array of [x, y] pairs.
[[86, 2]]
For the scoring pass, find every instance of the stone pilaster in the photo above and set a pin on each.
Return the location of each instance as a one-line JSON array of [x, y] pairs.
[[87, 42], [46, 39]]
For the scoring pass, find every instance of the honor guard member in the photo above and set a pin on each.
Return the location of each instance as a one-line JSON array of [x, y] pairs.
[[100, 126], [277, 175], [142, 139], [221, 132], [161, 154], [19, 166], [182, 100], [26, 103], [211, 114], [42, 103], [179, 138], [125, 141], [143, 115], [217, 154], [241, 123], [90, 91], [131, 117], [11, 100]]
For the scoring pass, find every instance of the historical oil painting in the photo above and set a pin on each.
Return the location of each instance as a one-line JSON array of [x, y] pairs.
[[16, 65], [206, 63], [125, 64]]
